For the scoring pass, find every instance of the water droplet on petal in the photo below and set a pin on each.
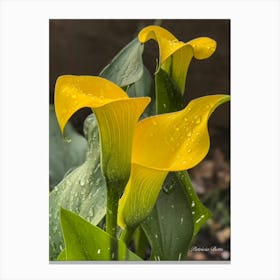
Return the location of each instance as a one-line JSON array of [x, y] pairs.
[[198, 120]]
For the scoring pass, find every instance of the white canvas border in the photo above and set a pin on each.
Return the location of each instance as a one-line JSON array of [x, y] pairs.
[[255, 138]]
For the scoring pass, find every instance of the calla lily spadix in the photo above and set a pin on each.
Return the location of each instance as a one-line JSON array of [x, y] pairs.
[[175, 56], [168, 142]]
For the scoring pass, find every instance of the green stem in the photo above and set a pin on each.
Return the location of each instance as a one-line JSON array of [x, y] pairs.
[[126, 235], [112, 210]]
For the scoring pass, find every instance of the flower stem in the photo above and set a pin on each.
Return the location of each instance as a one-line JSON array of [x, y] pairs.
[[112, 210], [126, 235]]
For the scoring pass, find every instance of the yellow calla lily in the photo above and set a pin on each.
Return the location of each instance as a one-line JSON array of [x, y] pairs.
[[175, 56], [116, 113], [168, 142], [117, 116]]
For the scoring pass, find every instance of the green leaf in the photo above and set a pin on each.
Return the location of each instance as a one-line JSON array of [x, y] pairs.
[[168, 95], [140, 242], [63, 155], [85, 242], [127, 66], [62, 256], [144, 87], [169, 228], [199, 212], [82, 191]]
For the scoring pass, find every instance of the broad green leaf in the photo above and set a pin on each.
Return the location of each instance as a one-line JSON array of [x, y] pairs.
[[82, 191], [62, 256], [199, 212], [168, 96], [169, 228], [63, 155], [144, 87], [127, 66], [86, 242]]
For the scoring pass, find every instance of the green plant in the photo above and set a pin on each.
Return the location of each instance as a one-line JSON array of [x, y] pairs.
[[130, 160]]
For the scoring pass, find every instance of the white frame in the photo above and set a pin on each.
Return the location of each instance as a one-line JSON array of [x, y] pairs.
[[254, 127]]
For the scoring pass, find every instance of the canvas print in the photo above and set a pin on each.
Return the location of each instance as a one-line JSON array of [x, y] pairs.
[[139, 122]]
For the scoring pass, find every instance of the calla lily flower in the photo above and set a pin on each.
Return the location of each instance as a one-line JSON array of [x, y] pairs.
[[168, 142], [175, 56], [116, 113]]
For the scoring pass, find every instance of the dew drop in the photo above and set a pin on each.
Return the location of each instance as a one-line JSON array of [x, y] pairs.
[[156, 236], [189, 150], [164, 105], [172, 205], [82, 182], [180, 257], [154, 123], [157, 258], [189, 134], [98, 251], [182, 220], [168, 189], [193, 212], [67, 139], [198, 120], [193, 203]]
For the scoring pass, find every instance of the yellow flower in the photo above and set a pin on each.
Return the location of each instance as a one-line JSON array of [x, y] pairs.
[[175, 56], [116, 113], [168, 142]]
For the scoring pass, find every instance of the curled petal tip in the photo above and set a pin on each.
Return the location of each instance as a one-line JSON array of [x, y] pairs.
[[203, 47]]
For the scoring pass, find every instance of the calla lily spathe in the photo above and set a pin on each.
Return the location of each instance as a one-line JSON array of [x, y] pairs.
[[168, 142], [116, 113], [175, 56]]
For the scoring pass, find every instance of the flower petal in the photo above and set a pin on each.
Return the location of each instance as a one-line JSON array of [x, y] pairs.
[[75, 92], [168, 43], [203, 47], [176, 141], [140, 195], [116, 114], [163, 143], [175, 56], [117, 121]]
